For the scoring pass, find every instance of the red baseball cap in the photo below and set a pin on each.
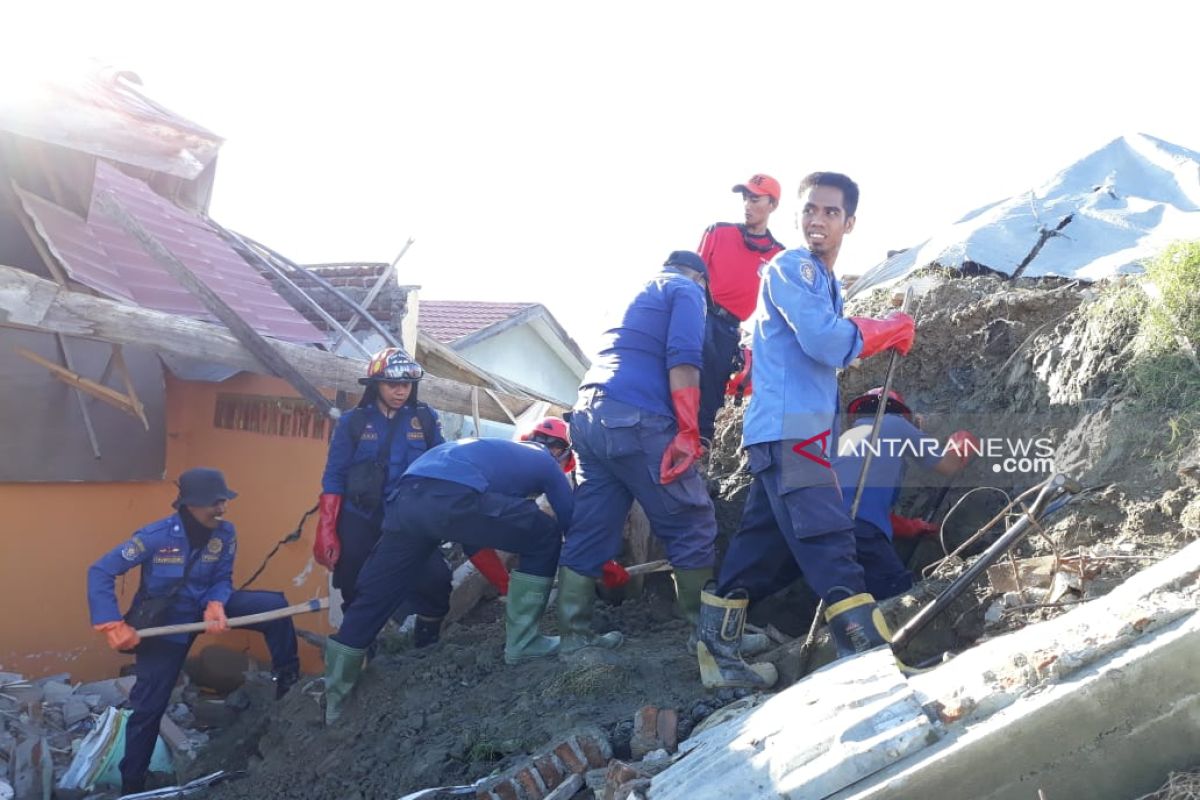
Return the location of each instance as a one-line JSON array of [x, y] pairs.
[[760, 184]]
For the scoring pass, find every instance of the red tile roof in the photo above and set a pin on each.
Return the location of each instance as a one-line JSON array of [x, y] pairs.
[[98, 253], [451, 320]]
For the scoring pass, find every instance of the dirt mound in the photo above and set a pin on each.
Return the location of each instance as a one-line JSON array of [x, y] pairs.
[[1012, 361]]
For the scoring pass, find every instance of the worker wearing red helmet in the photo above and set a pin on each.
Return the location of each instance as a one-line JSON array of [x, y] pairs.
[[370, 449], [900, 442], [734, 254]]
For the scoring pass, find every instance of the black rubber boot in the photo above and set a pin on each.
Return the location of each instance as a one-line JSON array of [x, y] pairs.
[[857, 625], [285, 679], [719, 651], [426, 631]]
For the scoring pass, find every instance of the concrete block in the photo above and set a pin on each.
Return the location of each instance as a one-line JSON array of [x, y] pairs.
[[75, 710]]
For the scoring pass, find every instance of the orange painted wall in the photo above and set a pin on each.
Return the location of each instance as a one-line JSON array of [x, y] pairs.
[[51, 533]]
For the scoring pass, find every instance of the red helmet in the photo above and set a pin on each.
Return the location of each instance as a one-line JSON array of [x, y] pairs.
[[392, 364], [552, 430], [868, 403]]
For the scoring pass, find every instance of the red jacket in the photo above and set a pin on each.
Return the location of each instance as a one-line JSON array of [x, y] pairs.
[[734, 258]]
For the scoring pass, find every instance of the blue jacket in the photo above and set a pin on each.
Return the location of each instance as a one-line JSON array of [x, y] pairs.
[[663, 327], [408, 442], [899, 439], [161, 549], [518, 469], [800, 340]]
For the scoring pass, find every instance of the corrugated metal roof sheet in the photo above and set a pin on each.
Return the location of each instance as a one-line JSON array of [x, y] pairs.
[[99, 254], [451, 320]]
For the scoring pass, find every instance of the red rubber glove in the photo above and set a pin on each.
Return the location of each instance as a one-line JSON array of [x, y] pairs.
[[896, 330], [909, 528], [685, 448], [120, 635], [613, 575], [491, 567], [327, 548], [739, 385], [214, 615], [966, 445]]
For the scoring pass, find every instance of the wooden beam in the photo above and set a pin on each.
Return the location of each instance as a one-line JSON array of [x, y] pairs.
[[252, 340], [33, 303], [118, 357], [77, 381]]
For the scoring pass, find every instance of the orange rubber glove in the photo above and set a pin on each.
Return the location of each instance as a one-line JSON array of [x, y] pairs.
[[896, 330], [685, 448], [327, 547], [909, 528], [739, 385], [214, 615], [491, 567], [613, 575], [120, 635]]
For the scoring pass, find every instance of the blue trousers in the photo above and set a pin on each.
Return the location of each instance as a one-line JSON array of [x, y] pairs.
[[422, 514], [619, 451], [430, 596], [886, 574], [157, 667], [794, 524], [720, 350]]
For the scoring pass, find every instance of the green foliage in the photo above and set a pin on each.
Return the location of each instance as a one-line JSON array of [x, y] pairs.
[[1173, 285]]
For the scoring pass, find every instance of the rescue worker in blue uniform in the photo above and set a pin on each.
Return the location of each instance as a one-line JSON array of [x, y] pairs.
[[186, 564], [368, 453], [636, 437], [794, 511], [478, 492], [900, 440]]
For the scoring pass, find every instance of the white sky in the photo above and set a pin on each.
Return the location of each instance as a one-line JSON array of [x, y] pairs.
[[557, 151]]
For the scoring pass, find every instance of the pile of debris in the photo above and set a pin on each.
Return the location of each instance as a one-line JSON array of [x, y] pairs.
[[65, 739]]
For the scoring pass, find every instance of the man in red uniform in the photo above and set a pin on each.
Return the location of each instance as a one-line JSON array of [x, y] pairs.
[[734, 253]]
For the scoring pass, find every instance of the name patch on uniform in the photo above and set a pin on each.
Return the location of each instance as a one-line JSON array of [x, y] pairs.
[[808, 272], [416, 436], [369, 434], [168, 555]]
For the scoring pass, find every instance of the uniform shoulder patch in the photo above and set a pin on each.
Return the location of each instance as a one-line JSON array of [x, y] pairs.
[[132, 549], [808, 272]]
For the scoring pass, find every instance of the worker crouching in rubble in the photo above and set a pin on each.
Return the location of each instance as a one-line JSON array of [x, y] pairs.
[[371, 447], [635, 433], [900, 440], [794, 511], [186, 576], [477, 492]]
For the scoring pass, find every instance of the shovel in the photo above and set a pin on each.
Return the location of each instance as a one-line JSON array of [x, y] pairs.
[[238, 622]]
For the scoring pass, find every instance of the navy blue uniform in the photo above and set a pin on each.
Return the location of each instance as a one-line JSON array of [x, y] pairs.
[[624, 421], [794, 521], [359, 528], [477, 492], [162, 551], [886, 575]]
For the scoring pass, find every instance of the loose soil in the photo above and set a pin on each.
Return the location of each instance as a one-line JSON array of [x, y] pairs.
[[1030, 358]]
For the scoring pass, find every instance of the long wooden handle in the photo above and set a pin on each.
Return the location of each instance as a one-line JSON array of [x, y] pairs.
[[238, 622]]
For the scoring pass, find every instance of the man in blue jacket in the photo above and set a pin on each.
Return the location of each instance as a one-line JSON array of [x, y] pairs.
[[794, 508], [900, 441], [478, 492], [636, 436], [368, 453], [186, 558]]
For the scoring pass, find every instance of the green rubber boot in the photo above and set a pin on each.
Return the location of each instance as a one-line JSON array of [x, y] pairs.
[[343, 665], [576, 597], [527, 597]]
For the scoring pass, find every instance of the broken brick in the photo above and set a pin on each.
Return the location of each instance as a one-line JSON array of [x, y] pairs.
[[571, 758], [531, 782], [505, 790], [668, 729], [645, 732], [619, 773], [595, 748], [550, 770]]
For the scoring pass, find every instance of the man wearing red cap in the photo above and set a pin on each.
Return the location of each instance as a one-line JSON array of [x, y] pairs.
[[734, 254]]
